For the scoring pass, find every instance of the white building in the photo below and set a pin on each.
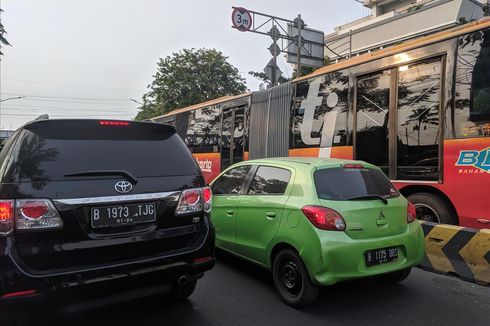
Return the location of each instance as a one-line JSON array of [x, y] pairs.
[[393, 21]]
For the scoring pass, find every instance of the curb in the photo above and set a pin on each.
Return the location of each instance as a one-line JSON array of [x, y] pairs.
[[456, 250]]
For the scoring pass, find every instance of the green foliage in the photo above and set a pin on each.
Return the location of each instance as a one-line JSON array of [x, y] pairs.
[[188, 77], [486, 13], [3, 40], [304, 71], [263, 77]]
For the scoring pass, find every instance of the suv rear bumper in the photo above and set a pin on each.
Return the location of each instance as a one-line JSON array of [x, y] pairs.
[[105, 284]]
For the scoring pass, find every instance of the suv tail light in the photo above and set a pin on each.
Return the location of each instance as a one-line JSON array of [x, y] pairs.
[[6, 217], [114, 123], [411, 212], [32, 214], [195, 200], [324, 218], [190, 201], [28, 214]]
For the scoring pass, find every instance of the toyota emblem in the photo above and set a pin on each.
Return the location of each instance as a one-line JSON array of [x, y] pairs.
[[123, 187]]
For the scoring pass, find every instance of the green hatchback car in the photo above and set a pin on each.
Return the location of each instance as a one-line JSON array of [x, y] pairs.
[[315, 222]]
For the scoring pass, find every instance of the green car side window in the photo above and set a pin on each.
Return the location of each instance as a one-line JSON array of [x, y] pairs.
[[270, 181], [232, 181]]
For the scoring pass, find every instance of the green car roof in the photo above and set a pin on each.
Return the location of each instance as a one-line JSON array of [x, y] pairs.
[[312, 161]]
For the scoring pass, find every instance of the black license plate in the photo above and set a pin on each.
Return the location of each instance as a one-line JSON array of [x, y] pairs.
[[122, 215], [381, 256]]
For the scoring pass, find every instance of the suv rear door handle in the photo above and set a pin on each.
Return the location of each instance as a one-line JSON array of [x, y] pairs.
[[270, 215], [230, 212]]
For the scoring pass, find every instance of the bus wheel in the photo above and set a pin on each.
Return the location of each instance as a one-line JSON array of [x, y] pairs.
[[432, 208]]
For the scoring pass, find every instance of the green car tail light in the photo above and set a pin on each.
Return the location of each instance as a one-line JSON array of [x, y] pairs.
[[324, 218], [411, 212]]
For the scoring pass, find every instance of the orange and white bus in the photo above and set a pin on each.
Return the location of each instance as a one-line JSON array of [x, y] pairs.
[[419, 110]]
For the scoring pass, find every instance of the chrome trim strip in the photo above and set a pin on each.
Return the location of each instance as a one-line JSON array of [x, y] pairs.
[[116, 199], [416, 181]]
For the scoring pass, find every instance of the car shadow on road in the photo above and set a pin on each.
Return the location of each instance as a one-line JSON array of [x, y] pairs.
[[147, 311], [243, 267], [369, 294]]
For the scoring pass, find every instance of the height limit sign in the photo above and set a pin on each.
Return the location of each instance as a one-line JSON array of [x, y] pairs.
[[242, 19]]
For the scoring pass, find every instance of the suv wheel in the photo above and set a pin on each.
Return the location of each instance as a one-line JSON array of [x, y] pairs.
[[397, 276], [432, 208], [182, 291], [291, 279]]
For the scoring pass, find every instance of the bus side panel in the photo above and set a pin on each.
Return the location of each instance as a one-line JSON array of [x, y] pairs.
[[343, 152], [210, 164], [467, 179]]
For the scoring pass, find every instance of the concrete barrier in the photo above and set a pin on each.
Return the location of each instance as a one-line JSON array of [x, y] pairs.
[[458, 251]]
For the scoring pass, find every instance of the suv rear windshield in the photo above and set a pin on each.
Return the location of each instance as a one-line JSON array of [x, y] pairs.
[[51, 150], [347, 183]]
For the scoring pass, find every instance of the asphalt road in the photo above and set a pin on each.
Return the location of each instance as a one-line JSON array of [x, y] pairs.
[[238, 293]]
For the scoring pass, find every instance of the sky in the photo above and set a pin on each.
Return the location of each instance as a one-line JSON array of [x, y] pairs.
[[89, 58]]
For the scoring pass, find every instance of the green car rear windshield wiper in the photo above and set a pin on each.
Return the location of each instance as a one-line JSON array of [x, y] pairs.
[[373, 196], [122, 173]]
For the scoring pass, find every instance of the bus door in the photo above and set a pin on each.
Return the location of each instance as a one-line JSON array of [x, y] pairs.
[[232, 131], [398, 120], [372, 128]]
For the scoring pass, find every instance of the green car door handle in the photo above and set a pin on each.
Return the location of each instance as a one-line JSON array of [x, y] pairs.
[[229, 212], [270, 215]]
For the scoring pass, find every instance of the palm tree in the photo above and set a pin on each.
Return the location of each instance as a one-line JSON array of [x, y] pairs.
[[423, 115]]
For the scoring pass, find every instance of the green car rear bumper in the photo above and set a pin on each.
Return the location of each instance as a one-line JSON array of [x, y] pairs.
[[343, 258]]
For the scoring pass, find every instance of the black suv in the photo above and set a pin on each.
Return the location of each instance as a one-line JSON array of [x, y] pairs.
[[113, 209]]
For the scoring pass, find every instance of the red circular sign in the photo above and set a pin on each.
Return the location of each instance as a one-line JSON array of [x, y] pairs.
[[242, 19]]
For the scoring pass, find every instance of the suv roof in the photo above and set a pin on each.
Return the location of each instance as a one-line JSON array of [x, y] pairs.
[[59, 150]]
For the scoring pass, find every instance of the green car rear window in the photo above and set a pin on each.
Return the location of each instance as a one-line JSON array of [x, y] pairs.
[[347, 183]]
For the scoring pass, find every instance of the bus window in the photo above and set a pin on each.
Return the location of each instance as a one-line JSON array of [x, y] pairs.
[[203, 130], [373, 99], [181, 124], [472, 109], [419, 92], [320, 111]]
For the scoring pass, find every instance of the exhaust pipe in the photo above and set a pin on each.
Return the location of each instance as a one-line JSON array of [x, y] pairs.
[[183, 280]]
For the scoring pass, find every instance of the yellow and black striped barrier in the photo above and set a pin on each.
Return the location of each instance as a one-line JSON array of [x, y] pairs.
[[458, 251]]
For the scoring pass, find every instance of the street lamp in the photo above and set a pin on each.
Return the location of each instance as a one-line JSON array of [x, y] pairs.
[[12, 98], [7, 99], [132, 99]]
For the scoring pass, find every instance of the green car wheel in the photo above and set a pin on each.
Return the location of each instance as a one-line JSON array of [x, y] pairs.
[[291, 279]]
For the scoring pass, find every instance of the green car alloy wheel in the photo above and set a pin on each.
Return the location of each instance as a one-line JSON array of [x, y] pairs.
[[315, 222]]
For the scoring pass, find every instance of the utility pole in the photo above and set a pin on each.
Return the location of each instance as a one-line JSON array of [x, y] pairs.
[[274, 54], [298, 54]]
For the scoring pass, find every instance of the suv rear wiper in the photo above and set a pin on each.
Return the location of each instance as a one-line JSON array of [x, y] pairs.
[[122, 173], [373, 196]]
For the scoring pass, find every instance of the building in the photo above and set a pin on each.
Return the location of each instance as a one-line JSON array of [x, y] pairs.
[[394, 21], [4, 134]]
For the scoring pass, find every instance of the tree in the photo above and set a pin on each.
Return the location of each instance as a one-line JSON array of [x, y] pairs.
[[3, 40], [188, 77], [305, 70]]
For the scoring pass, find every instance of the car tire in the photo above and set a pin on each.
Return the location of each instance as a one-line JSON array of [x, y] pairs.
[[432, 208], [291, 279], [397, 276], [182, 291]]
